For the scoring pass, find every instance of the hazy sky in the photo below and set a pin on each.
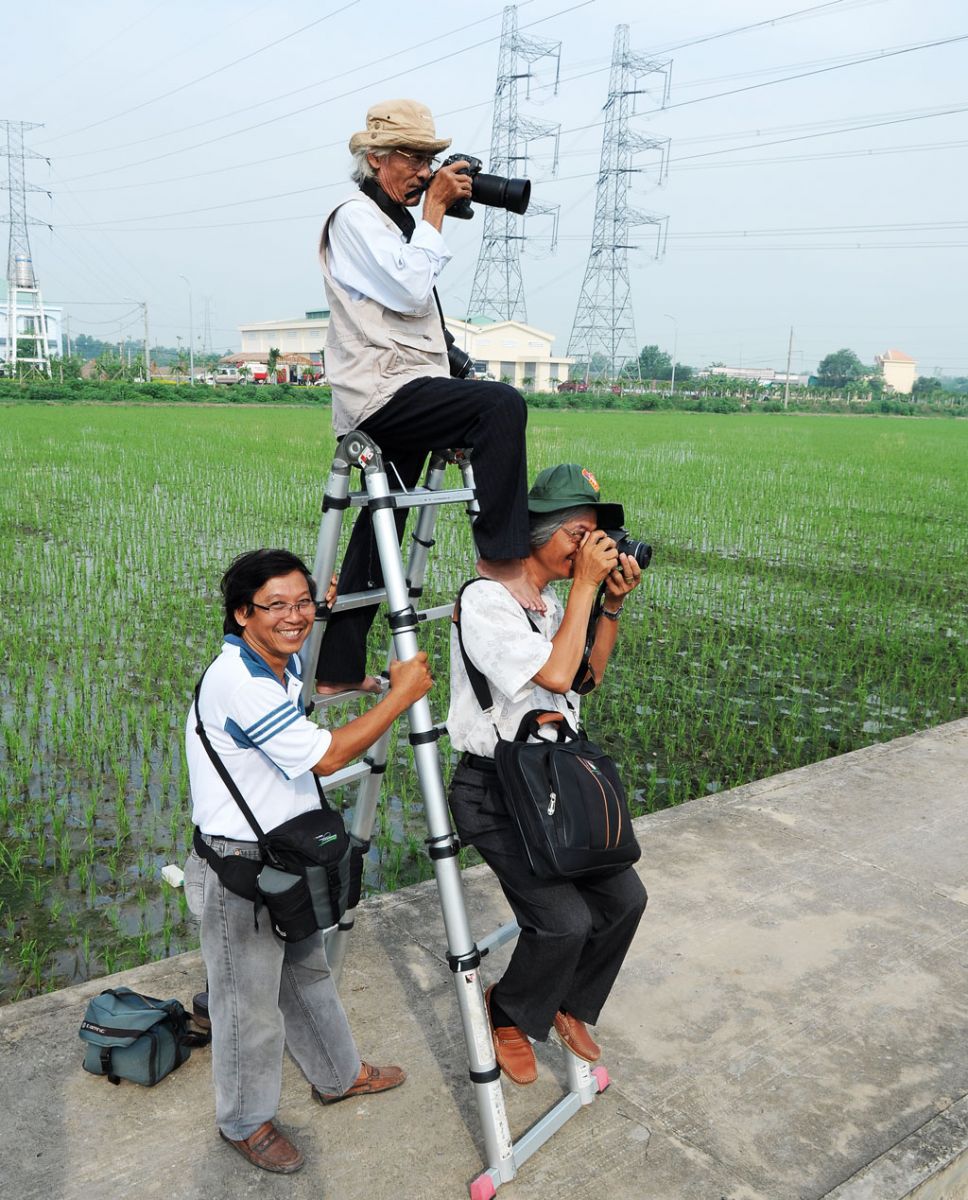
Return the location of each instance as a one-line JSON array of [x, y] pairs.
[[207, 140]]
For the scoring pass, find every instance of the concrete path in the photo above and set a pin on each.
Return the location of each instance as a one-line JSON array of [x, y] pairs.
[[792, 1023]]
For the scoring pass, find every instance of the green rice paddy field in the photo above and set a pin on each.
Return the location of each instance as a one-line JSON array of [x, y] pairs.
[[808, 596]]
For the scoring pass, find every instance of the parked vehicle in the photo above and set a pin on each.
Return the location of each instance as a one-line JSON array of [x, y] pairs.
[[573, 385]]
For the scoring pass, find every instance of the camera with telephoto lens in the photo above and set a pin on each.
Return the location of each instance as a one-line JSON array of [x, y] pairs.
[[626, 544], [460, 363], [513, 195]]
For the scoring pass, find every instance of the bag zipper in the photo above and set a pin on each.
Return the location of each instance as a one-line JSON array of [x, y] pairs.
[[601, 781]]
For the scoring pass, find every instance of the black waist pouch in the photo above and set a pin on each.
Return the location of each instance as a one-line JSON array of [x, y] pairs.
[[310, 873]]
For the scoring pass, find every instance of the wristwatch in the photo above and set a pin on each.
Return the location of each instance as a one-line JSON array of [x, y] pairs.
[[613, 616]]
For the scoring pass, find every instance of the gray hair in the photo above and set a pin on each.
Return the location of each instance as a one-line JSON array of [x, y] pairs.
[[361, 163], [542, 527]]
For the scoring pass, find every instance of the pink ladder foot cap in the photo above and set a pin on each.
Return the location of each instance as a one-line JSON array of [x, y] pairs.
[[483, 1188]]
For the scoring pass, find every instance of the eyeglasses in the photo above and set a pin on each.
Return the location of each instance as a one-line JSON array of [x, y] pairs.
[[576, 535], [419, 160], [279, 608]]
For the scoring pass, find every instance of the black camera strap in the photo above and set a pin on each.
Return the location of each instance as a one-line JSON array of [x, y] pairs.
[[401, 217]]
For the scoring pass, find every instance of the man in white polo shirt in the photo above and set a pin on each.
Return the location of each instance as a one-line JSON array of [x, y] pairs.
[[266, 995]]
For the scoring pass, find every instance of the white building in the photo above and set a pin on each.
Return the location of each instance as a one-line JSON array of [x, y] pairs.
[[54, 317], [508, 350], [899, 371], [764, 375]]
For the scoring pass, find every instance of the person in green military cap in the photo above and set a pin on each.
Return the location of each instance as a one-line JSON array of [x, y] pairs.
[[574, 934]]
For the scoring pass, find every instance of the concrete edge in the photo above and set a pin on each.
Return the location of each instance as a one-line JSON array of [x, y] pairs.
[[929, 1164], [189, 962], [770, 784]]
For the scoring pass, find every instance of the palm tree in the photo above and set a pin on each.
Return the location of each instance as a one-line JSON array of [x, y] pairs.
[[271, 364]]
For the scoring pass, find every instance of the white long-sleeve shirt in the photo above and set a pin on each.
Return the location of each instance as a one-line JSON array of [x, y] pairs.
[[369, 260]]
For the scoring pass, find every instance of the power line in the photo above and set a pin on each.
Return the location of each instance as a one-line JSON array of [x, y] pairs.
[[201, 78], [880, 56], [813, 10], [866, 152], [331, 145], [318, 104], [286, 95], [808, 136], [759, 145]]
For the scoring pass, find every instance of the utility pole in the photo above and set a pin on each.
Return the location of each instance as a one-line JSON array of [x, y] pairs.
[[786, 386], [498, 290], [604, 322], [191, 335], [24, 301], [675, 351]]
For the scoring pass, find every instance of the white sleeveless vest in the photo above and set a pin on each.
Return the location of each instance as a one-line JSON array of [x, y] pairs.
[[372, 351]]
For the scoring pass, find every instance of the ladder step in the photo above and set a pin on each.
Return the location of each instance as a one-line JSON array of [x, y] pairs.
[[347, 775], [320, 701], [498, 937], [377, 595], [420, 497]]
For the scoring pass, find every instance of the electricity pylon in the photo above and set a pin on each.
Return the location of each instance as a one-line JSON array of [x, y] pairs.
[[498, 290], [26, 319], [604, 321]]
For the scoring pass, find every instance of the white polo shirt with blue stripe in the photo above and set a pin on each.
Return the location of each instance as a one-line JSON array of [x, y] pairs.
[[259, 729]]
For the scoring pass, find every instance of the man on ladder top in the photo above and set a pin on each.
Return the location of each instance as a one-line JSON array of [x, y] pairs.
[[387, 362]]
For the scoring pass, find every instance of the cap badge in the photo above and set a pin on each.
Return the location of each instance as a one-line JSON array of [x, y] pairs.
[[591, 479]]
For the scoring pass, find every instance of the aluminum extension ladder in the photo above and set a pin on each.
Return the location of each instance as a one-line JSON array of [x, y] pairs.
[[400, 589]]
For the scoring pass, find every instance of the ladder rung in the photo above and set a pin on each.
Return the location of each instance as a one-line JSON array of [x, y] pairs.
[[434, 614], [498, 937], [378, 595], [418, 498], [320, 701], [347, 775], [360, 599]]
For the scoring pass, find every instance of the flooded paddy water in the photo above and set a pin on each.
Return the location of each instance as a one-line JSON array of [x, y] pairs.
[[808, 595]]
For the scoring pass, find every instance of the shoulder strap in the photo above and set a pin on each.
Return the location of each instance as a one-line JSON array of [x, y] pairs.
[[223, 771], [229, 782], [584, 680], [477, 679]]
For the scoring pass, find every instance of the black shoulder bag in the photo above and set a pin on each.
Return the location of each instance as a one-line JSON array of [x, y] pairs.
[[311, 870], [565, 796]]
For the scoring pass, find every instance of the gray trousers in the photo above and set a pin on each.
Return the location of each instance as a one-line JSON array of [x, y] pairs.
[[574, 934], [265, 996]]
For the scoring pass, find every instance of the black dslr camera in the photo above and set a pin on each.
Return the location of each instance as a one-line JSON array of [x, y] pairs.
[[626, 544], [513, 195]]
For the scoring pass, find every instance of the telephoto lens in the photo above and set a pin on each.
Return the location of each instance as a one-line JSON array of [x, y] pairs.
[[513, 195]]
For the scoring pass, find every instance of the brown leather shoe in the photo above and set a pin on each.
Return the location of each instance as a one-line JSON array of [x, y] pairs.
[[513, 1051], [576, 1037], [369, 1081], [269, 1149]]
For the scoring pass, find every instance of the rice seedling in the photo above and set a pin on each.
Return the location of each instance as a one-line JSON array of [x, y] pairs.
[[808, 595]]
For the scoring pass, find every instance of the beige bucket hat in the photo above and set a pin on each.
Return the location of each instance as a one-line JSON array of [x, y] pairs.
[[399, 123]]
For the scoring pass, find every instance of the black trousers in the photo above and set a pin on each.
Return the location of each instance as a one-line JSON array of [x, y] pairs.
[[426, 415], [574, 934]]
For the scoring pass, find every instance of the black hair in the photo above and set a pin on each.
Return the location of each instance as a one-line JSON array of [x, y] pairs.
[[248, 572]]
